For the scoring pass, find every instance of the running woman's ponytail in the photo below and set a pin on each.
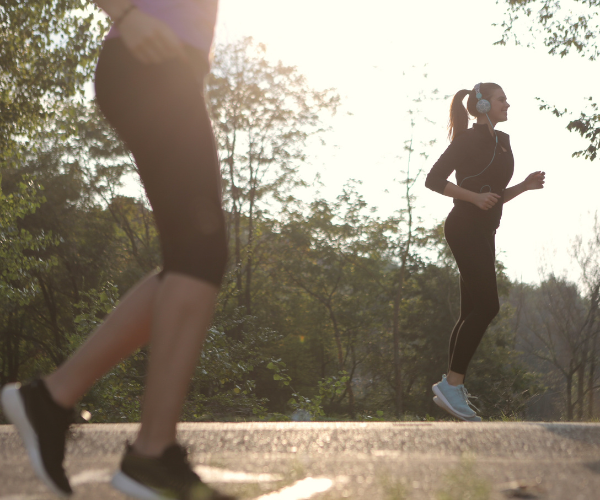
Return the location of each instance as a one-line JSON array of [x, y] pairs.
[[459, 118], [459, 115]]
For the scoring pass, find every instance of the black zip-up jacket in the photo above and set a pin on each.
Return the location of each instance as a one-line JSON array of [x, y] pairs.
[[468, 154]]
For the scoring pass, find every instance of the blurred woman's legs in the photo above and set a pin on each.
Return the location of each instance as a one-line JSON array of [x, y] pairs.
[[126, 329], [159, 112], [173, 314]]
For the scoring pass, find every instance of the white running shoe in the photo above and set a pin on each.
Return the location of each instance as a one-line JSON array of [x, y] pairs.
[[455, 399], [437, 401]]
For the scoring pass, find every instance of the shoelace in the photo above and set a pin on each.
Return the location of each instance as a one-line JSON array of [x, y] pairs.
[[467, 397]]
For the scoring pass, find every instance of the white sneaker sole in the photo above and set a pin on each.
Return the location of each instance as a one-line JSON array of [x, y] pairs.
[[438, 402], [131, 487], [14, 409], [441, 396]]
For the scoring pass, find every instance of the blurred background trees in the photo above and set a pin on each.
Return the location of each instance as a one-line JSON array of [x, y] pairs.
[[563, 26], [327, 306]]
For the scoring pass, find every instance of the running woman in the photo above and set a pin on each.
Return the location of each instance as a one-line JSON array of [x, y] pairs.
[[484, 165], [149, 86]]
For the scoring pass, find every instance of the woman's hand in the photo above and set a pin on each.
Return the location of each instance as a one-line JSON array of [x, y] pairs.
[[149, 39], [485, 201], [535, 181]]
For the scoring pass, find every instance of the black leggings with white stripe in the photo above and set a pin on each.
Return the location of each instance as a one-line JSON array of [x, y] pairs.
[[473, 247]]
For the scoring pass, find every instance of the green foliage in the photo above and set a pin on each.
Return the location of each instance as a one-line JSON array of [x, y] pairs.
[[305, 318], [92, 307], [328, 389], [19, 246], [263, 114], [117, 396], [47, 52], [279, 369], [222, 387], [588, 126], [566, 25]]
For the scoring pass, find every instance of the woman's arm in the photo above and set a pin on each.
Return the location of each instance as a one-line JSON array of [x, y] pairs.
[[484, 201], [150, 40], [437, 179], [534, 181]]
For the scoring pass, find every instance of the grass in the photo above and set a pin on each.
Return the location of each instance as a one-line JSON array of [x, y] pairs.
[[393, 488], [462, 483]]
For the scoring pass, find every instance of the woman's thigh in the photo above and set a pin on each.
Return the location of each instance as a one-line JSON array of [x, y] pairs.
[[473, 249]]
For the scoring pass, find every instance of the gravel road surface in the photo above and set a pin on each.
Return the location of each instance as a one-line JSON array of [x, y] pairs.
[[331, 461]]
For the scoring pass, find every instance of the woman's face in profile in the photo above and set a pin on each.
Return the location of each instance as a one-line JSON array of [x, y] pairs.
[[499, 111]]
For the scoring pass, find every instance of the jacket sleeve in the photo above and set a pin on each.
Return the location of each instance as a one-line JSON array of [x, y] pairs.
[[451, 158]]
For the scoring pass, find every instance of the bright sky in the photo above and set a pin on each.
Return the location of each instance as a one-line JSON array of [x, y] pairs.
[[363, 48]]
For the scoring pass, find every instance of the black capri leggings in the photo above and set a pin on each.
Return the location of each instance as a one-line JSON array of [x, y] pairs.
[[475, 252], [159, 112]]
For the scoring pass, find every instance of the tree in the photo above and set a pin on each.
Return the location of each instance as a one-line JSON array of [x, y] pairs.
[[82, 254], [47, 50], [407, 235], [331, 256], [70, 251], [317, 296], [263, 114], [586, 252], [567, 25], [18, 260], [557, 329], [558, 325], [403, 249]]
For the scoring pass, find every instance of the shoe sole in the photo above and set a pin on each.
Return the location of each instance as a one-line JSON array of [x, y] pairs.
[[131, 487], [438, 402], [14, 409], [441, 396]]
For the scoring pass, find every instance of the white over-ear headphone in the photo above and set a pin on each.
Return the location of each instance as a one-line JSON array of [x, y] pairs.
[[483, 105]]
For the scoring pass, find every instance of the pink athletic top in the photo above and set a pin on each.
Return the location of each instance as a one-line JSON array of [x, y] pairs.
[[193, 21]]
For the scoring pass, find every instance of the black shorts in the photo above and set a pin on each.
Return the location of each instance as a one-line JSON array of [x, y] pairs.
[[158, 110]]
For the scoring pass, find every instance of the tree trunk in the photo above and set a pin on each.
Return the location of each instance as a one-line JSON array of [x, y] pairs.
[[238, 254], [569, 396], [590, 411], [340, 353], [396, 320], [237, 251], [12, 358], [10, 355], [249, 256], [56, 354], [337, 336], [397, 360], [592, 354], [398, 403], [350, 378], [580, 388]]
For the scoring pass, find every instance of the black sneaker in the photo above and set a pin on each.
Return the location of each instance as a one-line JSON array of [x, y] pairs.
[[167, 477], [43, 425]]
